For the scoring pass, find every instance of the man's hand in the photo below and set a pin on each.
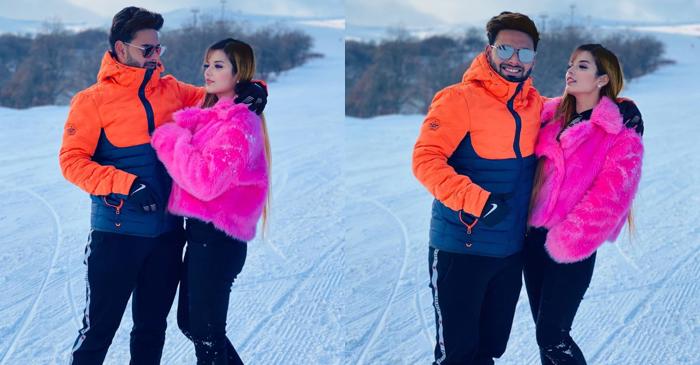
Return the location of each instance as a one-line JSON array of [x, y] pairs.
[[253, 93], [631, 116], [143, 196], [495, 210]]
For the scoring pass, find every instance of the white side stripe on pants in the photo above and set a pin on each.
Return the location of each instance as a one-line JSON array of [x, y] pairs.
[[436, 304], [86, 312]]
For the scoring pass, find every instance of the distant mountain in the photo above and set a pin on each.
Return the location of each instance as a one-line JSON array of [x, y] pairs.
[[294, 8], [19, 26], [388, 13], [176, 19], [40, 10]]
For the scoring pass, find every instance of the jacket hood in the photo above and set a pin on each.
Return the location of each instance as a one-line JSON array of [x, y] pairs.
[[481, 72], [116, 72]]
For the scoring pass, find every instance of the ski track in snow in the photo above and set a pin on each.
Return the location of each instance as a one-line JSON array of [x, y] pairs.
[[284, 306], [638, 309], [424, 322], [383, 318], [54, 259]]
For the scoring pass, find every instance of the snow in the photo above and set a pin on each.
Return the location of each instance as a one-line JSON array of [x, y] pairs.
[[285, 305], [325, 23], [343, 277], [643, 304], [687, 29]]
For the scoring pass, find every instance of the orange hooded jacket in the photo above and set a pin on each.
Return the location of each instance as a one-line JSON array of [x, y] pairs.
[[106, 144], [118, 105], [477, 139], [477, 107]]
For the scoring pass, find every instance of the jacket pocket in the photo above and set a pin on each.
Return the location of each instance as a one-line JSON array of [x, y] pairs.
[[469, 221], [116, 206]]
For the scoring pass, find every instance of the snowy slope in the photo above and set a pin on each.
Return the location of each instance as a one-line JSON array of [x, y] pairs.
[[344, 276], [643, 306], [285, 305]]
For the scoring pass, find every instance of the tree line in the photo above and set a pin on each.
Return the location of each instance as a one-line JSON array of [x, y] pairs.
[[48, 68], [401, 75]]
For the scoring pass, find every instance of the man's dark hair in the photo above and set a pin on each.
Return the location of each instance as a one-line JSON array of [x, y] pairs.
[[512, 21], [130, 20]]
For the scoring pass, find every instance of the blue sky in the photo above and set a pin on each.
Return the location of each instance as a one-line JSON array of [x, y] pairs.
[[372, 12], [88, 10], [435, 12]]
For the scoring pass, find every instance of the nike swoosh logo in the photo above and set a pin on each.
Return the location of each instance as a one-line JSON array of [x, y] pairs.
[[141, 187], [493, 207]]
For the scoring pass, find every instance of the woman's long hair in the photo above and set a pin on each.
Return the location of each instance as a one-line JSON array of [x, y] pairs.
[[607, 64], [242, 58]]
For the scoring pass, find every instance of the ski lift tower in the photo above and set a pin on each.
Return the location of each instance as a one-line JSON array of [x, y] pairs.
[[223, 9]]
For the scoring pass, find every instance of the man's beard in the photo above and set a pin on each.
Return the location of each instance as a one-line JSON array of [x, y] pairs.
[[510, 77], [132, 62]]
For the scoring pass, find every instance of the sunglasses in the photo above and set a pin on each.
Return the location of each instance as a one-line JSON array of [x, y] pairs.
[[149, 49], [505, 52]]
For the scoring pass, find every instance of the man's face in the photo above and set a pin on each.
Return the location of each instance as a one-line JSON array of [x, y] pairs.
[[511, 68], [130, 54]]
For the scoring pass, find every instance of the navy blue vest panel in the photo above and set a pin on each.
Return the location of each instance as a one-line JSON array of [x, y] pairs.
[[114, 212], [512, 177]]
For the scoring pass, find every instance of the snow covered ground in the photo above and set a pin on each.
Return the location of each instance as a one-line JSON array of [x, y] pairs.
[[643, 306], [285, 305], [344, 276]]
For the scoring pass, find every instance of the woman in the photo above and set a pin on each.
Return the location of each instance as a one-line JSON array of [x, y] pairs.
[[219, 158], [589, 170]]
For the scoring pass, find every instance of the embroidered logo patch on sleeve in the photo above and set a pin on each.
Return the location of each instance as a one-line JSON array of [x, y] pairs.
[[434, 124], [70, 129]]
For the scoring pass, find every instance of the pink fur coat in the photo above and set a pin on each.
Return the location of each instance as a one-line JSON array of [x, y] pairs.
[[216, 157], [590, 178]]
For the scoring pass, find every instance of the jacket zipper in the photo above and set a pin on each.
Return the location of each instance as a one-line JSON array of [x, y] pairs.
[[518, 155], [518, 123], [149, 112], [516, 141], [146, 104]]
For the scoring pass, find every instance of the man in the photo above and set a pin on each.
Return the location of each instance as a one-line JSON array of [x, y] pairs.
[[135, 246], [475, 154]]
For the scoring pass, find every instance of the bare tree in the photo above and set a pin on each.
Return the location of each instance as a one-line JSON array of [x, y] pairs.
[[402, 74]]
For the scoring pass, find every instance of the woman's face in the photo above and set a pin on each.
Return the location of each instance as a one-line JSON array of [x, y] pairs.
[[219, 78], [581, 76]]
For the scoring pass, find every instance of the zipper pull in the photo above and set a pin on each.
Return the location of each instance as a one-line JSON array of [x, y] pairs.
[[117, 209], [469, 243]]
